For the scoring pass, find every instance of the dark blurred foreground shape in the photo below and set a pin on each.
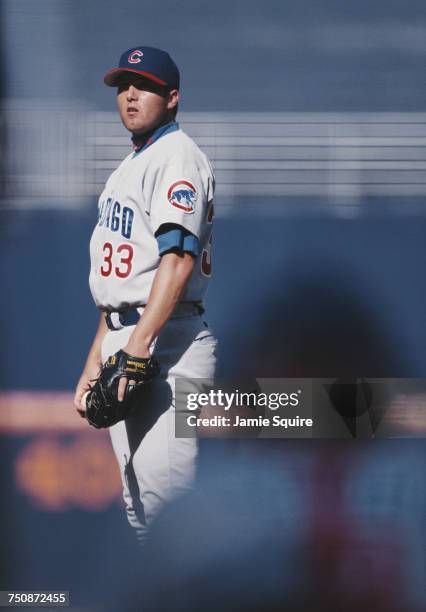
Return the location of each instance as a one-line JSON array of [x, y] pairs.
[[322, 325], [323, 528]]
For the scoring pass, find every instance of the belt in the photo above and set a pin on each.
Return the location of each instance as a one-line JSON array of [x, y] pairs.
[[123, 318]]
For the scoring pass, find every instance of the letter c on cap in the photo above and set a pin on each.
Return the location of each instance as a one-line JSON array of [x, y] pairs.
[[135, 57]]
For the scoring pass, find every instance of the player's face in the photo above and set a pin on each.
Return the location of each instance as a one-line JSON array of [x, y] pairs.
[[143, 105]]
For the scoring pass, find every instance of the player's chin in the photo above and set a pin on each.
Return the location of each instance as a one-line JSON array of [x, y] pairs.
[[134, 124], [138, 125]]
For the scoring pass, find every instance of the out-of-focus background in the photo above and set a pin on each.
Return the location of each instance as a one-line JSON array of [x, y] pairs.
[[314, 116]]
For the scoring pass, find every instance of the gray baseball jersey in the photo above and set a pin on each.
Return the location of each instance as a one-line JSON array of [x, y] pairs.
[[169, 182]]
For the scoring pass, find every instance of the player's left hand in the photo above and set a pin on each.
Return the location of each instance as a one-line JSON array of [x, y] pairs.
[[90, 373]]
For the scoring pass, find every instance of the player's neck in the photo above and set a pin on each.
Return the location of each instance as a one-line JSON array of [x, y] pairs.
[[140, 140]]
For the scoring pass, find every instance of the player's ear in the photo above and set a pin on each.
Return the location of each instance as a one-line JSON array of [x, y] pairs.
[[173, 99]]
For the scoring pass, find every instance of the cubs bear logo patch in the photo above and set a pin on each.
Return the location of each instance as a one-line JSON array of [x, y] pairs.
[[183, 195]]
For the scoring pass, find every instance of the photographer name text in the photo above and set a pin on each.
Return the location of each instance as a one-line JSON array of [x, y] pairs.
[[237, 421]]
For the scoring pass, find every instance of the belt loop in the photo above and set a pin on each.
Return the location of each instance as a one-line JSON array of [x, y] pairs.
[[108, 321], [114, 321]]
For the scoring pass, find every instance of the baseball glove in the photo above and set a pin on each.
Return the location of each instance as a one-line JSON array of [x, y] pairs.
[[102, 406]]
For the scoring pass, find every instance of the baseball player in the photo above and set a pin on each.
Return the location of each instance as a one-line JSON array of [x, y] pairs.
[[150, 267]]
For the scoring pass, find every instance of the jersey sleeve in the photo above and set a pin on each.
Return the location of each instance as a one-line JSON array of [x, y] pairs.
[[179, 193]]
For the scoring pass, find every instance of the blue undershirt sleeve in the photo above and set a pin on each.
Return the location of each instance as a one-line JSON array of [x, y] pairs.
[[172, 237]]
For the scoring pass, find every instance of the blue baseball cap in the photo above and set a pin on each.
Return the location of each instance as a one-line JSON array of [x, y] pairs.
[[152, 63]]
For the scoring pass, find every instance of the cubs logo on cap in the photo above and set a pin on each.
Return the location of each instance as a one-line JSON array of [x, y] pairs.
[[154, 64], [183, 195], [135, 57]]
